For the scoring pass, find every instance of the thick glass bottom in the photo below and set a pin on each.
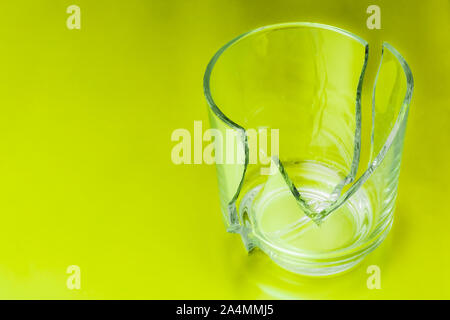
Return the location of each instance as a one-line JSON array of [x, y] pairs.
[[294, 241]]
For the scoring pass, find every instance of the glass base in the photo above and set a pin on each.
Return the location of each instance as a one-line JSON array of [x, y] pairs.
[[281, 229]]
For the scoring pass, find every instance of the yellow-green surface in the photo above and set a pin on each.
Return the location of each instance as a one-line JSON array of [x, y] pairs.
[[86, 176]]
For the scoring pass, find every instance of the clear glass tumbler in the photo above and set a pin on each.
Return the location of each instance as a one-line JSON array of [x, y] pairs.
[[303, 197]]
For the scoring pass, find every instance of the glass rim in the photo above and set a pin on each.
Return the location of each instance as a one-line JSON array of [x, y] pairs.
[[217, 55]]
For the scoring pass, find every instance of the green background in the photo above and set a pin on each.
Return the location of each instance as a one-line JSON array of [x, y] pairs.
[[86, 176]]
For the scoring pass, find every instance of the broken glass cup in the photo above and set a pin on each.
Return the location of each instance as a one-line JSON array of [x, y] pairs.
[[286, 117]]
